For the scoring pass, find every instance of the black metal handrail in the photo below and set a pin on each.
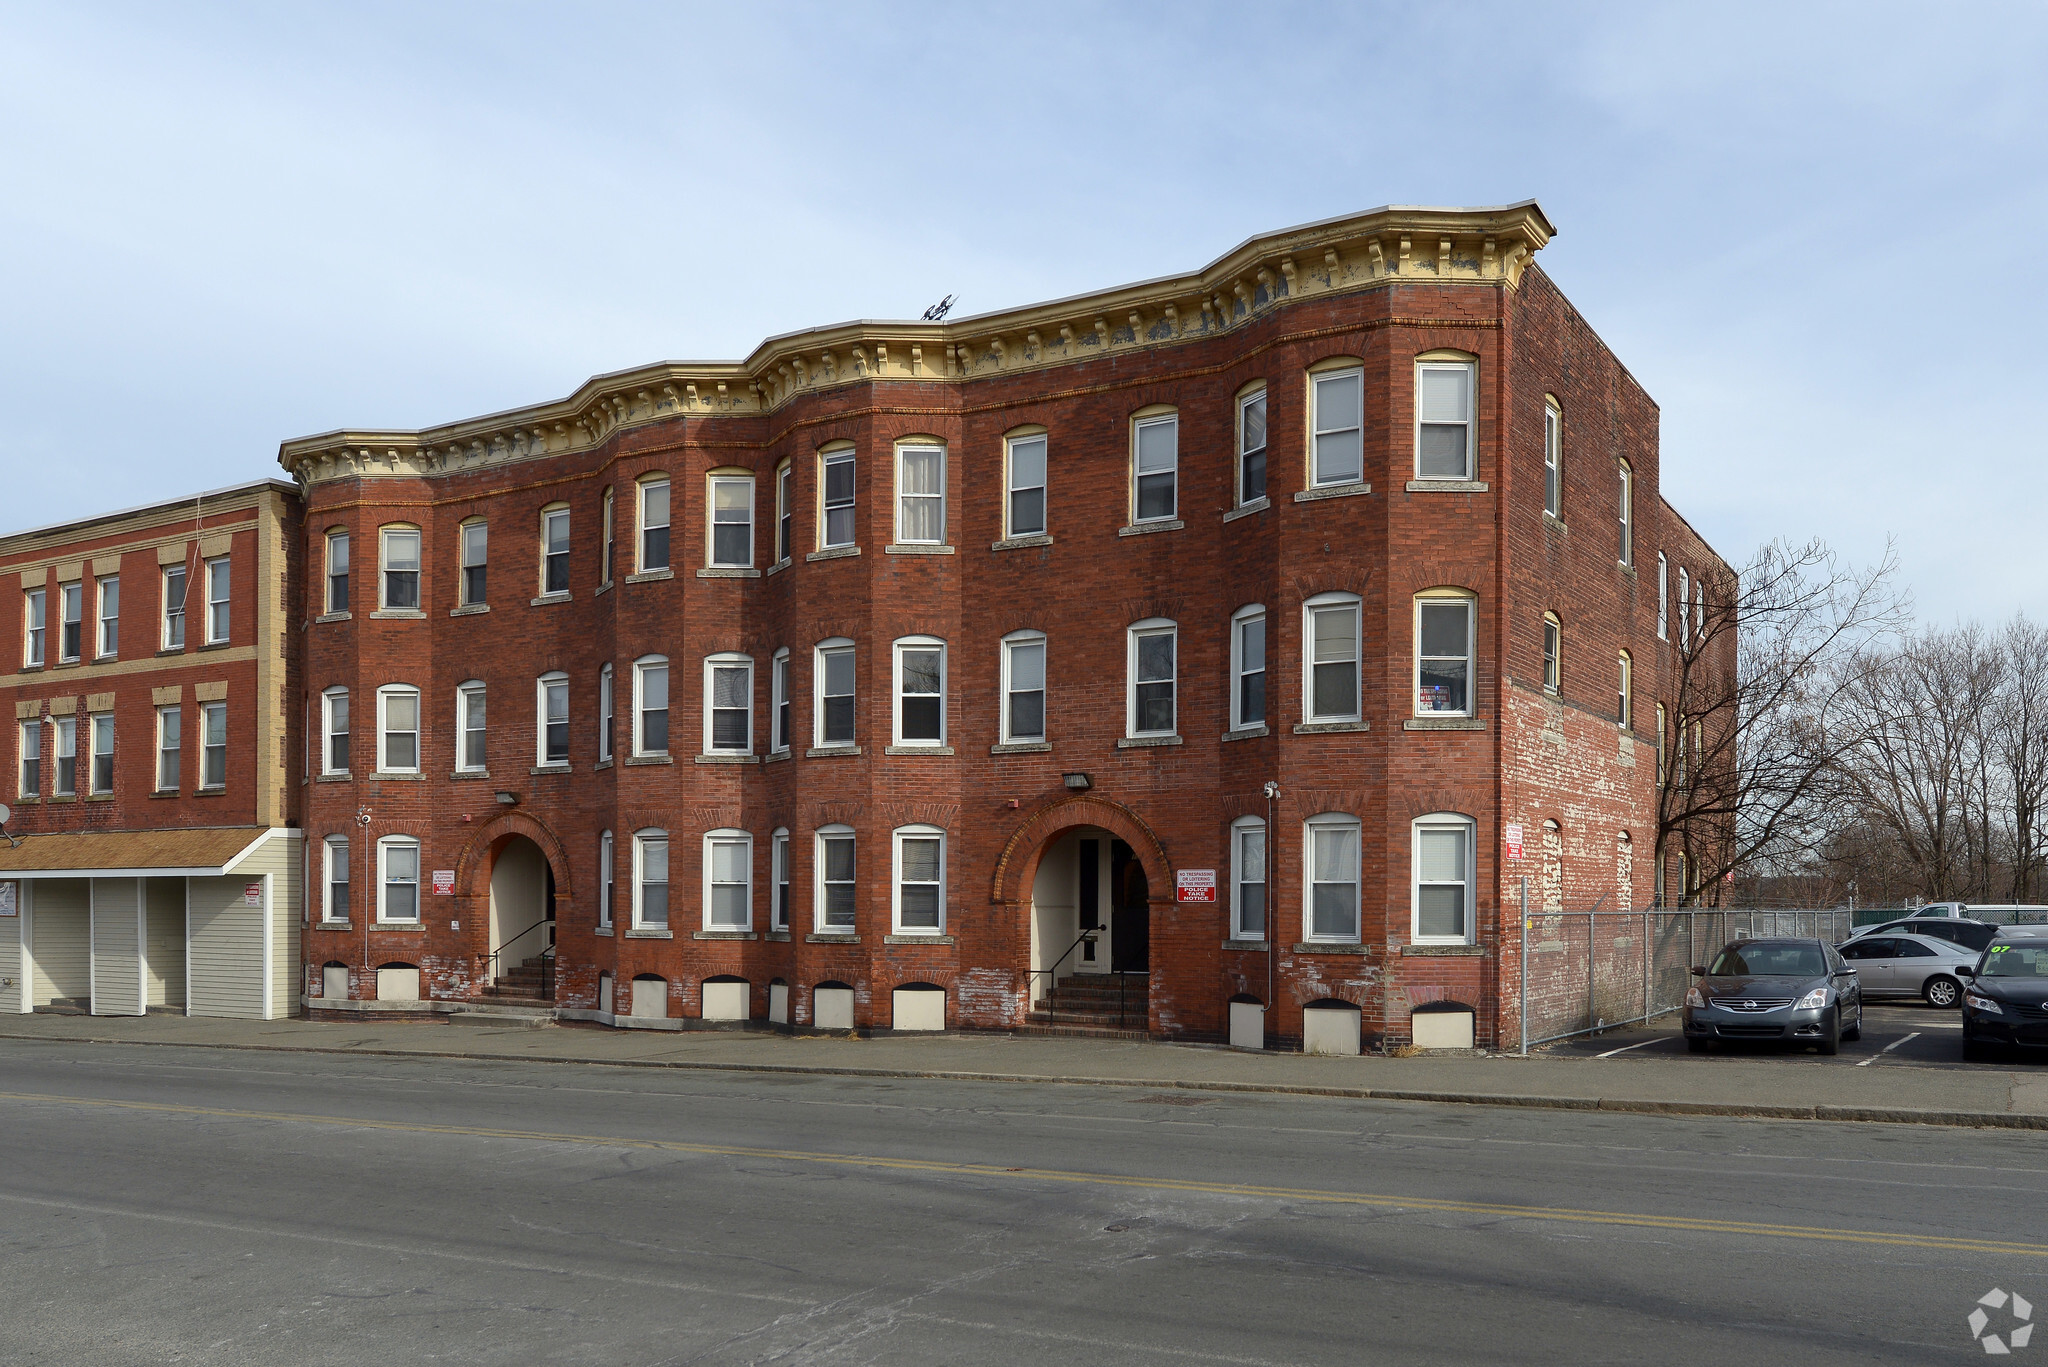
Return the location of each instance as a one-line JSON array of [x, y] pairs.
[[547, 956], [1086, 937]]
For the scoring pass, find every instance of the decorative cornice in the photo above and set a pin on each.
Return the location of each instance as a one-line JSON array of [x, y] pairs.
[[1397, 244]]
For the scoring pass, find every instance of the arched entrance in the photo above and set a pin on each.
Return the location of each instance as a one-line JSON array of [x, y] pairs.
[[522, 918]]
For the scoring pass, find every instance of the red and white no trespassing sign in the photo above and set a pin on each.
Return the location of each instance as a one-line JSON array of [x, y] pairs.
[[1194, 885], [1514, 834]]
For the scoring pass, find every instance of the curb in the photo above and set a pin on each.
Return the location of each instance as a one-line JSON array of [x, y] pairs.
[[1881, 1115]]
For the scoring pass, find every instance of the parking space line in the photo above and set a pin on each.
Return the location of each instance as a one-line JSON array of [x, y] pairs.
[[1626, 1047], [1865, 1063]]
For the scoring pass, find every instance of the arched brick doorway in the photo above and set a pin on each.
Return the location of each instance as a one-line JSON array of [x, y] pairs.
[[512, 883]]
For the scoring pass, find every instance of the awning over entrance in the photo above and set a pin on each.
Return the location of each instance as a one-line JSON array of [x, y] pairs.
[[202, 853]]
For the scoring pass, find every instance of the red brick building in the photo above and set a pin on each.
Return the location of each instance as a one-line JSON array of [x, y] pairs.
[[1194, 642]]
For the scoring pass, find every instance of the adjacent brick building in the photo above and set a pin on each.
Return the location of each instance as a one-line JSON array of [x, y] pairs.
[[902, 670]]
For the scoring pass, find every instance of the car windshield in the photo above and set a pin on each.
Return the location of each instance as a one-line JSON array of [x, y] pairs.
[[1776, 961], [2015, 961]]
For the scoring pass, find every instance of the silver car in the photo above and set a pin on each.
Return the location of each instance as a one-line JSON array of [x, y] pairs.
[[1894, 965]]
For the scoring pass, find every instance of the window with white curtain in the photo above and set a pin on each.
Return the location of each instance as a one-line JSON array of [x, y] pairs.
[[1338, 404], [1251, 446], [334, 731], [920, 691], [398, 891], [650, 880], [170, 744], [778, 700], [1023, 687], [605, 880], [554, 551], [1553, 460], [1152, 664], [778, 845], [1442, 879], [920, 882], [728, 880], [334, 905], [1332, 848], [1331, 635], [835, 895], [476, 563], [728, 705], [833, 707], [1026, 505], [1248, 667], [401, 568], [1248, 878], [732, 521], [650, 705], [552, 704], [1155, 468], [398, 729], [1443, 420], [836, 495], [920, 494], [654, 515], [606, 712], [469, 725]]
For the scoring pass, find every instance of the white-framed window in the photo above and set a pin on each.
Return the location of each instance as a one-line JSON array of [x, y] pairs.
[[919, 880], [834, 704], [606, 711], [401, 567], [70, 620], [1330, 842], [650, 705], [1699, 610], [728, 705], [170, 749], [1663, 597], [1025, 507], [653, 523], [471, 751], [213, 745], [1684, 606], [1443, 420], [1337, 403], [920, 494], [334, 903], [920, 691], [31, 732], [1331, 634], [1024, 686], [66, 754], [1443, 879], [108, 619], [1248, 667], [1553, 459], [1627, 492], [732, 521], [554, 550], [475, 549], [337, 572], [835, 896], [611, 524], [778, 855], [778, 701], [34, 607], [1248, 878], [1155, 468], [174, 607], [650, 880], [836, 495], [728, 880], [1251, 446], [785, 511], [218, 580], [1625, 708], [334, 731], [398, 729], [607, 880], [1553, 653], [1152, 667], [102, 752], [398, 879], [1443, 656], [551, 719]]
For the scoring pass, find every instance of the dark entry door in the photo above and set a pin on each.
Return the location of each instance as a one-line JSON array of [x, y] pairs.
[[1130, 925]]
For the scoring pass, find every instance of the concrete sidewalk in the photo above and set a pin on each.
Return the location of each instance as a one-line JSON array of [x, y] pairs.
[[2016, 1098]]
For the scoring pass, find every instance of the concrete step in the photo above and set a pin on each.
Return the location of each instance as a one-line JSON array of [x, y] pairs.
[[1033, 1027], [503, 1015]]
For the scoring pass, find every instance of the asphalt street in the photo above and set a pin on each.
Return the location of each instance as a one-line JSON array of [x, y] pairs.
[[195, 1205]]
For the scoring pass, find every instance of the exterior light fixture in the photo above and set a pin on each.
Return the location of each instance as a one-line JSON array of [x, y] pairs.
[[1079, 783]]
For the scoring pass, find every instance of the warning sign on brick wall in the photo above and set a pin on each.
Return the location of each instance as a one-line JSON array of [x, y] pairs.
[[1514, 833], [1194, 885]]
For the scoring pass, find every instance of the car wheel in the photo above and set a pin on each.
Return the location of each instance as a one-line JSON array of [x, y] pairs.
[[1942, 992], [1855, 1032], [1831, 1038], [1697, 1044]]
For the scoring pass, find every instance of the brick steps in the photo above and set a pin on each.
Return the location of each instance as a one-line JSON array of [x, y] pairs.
[[1106, 1005], [522, 984]]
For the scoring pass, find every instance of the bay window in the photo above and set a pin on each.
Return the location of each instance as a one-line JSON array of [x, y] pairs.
[[1332, 841], [732, 522], [1337, 404], [834, 704], [1443, 656], [728, 881], [1251, 447], [650, 706], [1026, 505], [728, 705], [1155, 468], [1443, 879], [920, 494], [1332, 637], [1443, 420], [401, 568], [835, 896]]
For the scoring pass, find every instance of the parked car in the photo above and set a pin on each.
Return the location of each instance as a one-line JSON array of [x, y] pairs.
[[1910, 966], [1997, 913], [1971, 935], [2005, 1001], [1795, 990]]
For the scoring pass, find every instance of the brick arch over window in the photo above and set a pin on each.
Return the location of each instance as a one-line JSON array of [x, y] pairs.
[[1017, 865], [473, 865]]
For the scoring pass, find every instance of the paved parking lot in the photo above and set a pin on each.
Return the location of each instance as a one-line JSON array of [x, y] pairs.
[[1896, 1034]]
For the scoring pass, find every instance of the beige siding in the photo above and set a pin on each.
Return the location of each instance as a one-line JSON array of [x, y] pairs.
[[13, 963], [60, 938], [166, 942], [117, 987], [282, 858], [227, 948]]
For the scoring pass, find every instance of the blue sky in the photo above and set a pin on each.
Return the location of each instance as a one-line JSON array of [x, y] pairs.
[[1811, 231]]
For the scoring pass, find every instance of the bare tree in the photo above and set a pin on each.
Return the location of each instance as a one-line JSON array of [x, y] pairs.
[[2020, 740], [1762, 710]]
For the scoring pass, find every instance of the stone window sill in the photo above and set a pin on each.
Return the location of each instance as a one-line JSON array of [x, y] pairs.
[[99, 797], [1145, 742], [917, 939], [1626, 568], [831, 751], [913, 549], [602, 589], [1320, 728], [1447, 486], [1018, 543], [633, 760], [1022, 747], [343, 616], [332, 925], [1555, 524], [780, 937], [407, 926], [539, 769], [223, 645], [1444, 724], [159, 794], [1351, 490], [777, 568], [37, 669], [222, 792], [382, 777], [549, 599], [940, 750], [28, 800], [343, 777], [60, 799], [1318, 947], [650, 934], [1164, 524], [726, 759], [1248, 732], [833, 553], [1442, 951], [1257, 505], [728, 572], [605, 931], [167, 650], [393, 615], [1247, 946], [723, 935], [461, 775], [469, 610], [775, 756], [602, 764], [650, 576], [844, 938]]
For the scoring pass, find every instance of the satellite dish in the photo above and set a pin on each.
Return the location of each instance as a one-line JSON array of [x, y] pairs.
[[5, 814]]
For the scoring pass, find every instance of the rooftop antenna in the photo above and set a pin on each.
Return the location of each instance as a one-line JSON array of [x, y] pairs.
[[940, 309]]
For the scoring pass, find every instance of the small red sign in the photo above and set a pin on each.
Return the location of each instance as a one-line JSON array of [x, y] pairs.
[[1514, 833], [1194, 885], [444, 882], [252, 894]]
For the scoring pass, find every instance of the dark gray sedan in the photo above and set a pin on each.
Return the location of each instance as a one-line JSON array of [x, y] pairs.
[[1788, 991]]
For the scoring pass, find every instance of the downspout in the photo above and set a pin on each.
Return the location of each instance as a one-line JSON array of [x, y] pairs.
[[1272, 906]]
